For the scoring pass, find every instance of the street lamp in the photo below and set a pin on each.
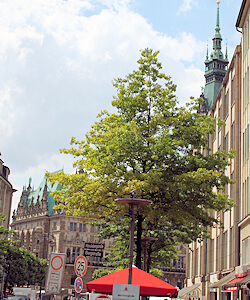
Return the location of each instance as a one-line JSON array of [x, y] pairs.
[[133, 203]]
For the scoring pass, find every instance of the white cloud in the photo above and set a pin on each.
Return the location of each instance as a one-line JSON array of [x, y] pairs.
[[58, 59], [186, 6], [7, 109]]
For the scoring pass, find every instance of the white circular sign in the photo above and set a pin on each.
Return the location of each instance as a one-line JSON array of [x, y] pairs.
[[56, 263], [81, 266]]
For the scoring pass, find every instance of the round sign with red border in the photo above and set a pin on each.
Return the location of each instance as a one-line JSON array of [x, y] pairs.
[[78, 284], [56, 263], [81, 266]]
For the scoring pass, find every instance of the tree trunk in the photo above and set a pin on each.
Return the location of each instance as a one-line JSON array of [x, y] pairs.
[[138, 242], [149, 252]]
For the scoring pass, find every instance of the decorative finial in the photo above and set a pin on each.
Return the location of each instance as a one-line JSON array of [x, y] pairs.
[[218, 2]]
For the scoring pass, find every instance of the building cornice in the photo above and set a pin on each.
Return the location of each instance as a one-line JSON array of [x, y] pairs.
[[242, 14], [245, 221]]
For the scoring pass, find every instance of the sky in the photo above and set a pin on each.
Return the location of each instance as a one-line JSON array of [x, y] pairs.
[[58, 59]]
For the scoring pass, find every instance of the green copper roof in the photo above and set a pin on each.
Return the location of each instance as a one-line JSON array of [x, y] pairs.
[[215, 66], [38, 193]]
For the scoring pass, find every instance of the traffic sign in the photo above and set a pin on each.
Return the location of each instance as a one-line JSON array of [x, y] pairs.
[[80, 266], [78, 284], [55, 272]]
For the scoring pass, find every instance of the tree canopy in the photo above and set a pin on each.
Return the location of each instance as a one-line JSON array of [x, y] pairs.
[[153, 145]]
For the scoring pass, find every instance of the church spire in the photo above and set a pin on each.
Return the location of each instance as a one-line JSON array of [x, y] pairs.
[[217, 36], [215, 66]]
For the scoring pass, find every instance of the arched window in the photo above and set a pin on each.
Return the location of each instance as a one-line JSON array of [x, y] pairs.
[[28, 241], [22, 238], [73, 254]]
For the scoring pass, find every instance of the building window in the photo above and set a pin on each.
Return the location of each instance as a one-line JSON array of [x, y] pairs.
[[246, 251], [71, 226], [74, 226], [73, 254], [81, 227], [68, 256]]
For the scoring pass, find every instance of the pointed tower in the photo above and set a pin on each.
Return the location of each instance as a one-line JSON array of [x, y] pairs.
[[215, 67]]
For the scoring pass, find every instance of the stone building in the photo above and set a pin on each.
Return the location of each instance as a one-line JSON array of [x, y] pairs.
[[6, 193], [209, 262], [44, 230], [220, 268]]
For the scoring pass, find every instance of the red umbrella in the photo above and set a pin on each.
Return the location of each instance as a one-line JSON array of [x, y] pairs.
[[149, 284]]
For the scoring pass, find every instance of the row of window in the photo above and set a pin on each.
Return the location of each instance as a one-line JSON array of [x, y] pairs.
[[77, 227]]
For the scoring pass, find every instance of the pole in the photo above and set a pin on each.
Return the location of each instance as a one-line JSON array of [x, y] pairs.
[[131, 243], [132, 203], [145, 256]]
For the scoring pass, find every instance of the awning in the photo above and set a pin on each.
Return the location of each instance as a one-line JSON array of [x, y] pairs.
[[234, 285], [237, 283], [245, 280], [224, 280], [192, 290]]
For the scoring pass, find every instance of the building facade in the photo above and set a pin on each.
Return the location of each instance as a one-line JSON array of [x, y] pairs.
[[219, 268], [212, 259], [243, 25], [6, 193], [243, 22]]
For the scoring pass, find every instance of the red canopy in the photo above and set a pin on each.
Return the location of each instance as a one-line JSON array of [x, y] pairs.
[[149, 284]]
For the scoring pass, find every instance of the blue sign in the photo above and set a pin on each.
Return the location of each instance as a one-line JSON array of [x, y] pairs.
[[78, 284]]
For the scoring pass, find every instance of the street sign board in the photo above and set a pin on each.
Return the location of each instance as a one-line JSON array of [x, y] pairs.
[[55, 272], [93, 253], [126, 292], [78, 285], [94, 246], [80, 266]]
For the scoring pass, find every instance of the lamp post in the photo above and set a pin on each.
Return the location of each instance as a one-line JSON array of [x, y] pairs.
[[133, 203], [146, 240]]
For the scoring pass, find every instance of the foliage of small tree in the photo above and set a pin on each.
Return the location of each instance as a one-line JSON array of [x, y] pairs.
[[155, 146], [101, 272], [157, 273], [18, 265], [22, 267]]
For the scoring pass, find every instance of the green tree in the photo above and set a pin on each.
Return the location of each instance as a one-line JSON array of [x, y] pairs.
[[159, 251], [153, 145], [5, 241], [101, 272], [22, 267], [18, 265]]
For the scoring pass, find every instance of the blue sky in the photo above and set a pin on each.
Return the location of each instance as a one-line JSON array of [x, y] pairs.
[[58, 58]]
